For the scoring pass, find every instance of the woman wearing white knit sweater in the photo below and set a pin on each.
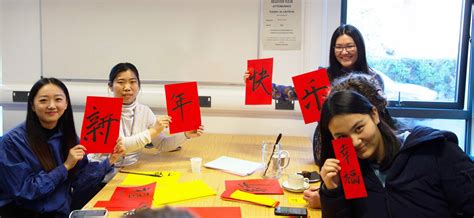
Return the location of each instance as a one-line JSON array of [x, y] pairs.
[[139, 126]]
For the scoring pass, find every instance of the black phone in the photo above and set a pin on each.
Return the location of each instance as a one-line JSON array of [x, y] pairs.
[[88, 213], [312, 176], [291, 211]]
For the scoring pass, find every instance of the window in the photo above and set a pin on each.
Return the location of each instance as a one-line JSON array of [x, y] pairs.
[[415, 45], [420, 48]]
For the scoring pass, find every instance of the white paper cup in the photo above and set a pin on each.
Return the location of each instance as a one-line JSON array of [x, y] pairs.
[[196, 164]]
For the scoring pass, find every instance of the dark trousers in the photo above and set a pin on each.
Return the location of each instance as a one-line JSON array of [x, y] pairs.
[[80, 199], [13, 211]]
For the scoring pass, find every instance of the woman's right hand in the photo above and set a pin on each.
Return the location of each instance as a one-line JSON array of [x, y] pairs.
[[75, 154], [162, 123], [330, 173], [246, 75]]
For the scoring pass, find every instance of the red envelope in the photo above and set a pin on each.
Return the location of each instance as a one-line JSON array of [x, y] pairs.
[[258, 87], [312, 89], [182, 103], [127, 198], [255, 186], [101, 124], [351, 176]]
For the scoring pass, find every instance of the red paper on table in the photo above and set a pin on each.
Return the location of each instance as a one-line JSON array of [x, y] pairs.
[[182, 103], [101, 124], [351, 176], [255, 186], [211, 212], [312, 89], [258, 87], [128, 198], [249, 198]]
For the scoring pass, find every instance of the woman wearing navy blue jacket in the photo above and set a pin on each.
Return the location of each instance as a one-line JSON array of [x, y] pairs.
[[41, 163], [421, 172]]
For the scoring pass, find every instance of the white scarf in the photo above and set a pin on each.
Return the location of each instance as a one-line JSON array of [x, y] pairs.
[[128, 115]]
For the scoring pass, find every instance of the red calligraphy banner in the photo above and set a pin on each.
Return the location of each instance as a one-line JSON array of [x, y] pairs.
[[258, 87], [182, 103], [101, 124], [351, 176], [312, 90]]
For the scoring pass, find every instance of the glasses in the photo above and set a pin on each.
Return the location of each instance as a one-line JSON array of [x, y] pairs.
[[349, 48]]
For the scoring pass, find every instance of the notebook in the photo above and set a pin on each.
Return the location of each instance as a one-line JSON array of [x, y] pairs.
[[233, 165]]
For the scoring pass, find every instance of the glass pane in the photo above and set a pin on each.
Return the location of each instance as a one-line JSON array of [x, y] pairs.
[[456, 126], [413, 44]]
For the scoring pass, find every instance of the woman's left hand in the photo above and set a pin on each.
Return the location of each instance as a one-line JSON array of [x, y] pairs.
[[312, 196], [195, 133], [119, 151]]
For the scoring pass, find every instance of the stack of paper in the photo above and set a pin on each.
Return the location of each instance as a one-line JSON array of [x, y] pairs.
[[234, 165]]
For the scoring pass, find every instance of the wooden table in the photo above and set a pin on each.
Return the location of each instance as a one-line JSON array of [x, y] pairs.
[[210, 147]]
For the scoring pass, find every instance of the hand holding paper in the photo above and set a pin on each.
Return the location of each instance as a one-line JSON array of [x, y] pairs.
[[101, 124], [119, 151], [312, 89], [182, 104], [258, 85], [350, 174]]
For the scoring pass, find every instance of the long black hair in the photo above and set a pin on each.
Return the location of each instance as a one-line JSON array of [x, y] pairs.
[[335, 68], [38, 141], [350, 102]]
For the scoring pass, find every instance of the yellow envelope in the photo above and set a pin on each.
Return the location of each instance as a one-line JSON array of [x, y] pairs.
[[135, 180], [259, 199], [173, 192]]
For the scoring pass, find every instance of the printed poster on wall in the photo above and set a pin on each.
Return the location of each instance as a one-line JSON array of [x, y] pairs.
[[282, 25]]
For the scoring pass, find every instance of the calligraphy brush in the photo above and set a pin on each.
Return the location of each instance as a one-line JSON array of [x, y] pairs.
[[273, 151], [143, 174]]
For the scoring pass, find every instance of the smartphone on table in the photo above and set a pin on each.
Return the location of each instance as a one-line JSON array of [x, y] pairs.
[[291, 211], [312, 176], [101, 213]]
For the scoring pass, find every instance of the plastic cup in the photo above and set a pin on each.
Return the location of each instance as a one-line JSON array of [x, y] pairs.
[[196, 164]]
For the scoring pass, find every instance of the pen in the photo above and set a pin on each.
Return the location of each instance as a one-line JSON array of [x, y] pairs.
[[157, 174]]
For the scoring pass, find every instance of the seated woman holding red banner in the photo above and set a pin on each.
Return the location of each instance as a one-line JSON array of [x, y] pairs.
[[367, 86], [42, 164], [139, 127], [421, 172]]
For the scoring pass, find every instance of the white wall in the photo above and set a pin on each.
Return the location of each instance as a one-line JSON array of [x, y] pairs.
[[21, 66]]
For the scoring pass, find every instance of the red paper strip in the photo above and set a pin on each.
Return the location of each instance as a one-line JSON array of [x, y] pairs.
[[182, 103], [101, 124], [255, 186], [311, 89], [258, 87], [351, 176]]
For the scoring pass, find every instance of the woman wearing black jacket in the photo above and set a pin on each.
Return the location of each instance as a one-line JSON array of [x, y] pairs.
[[421, 172]]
